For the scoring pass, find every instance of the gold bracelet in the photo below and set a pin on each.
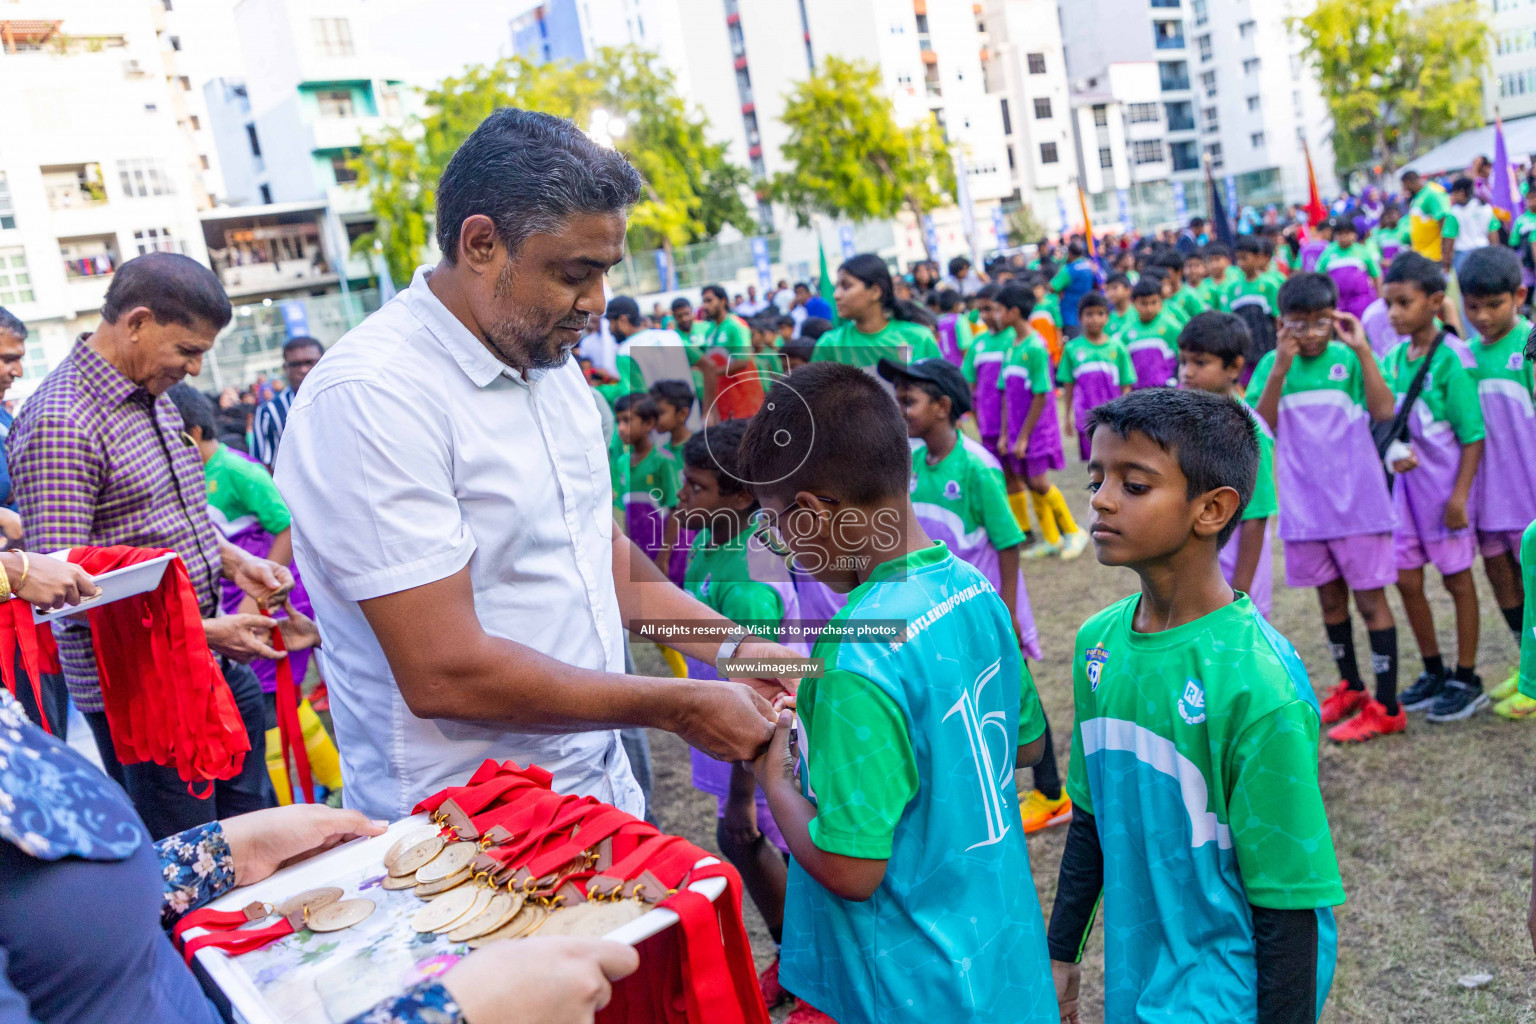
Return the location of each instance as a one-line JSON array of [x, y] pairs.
[[26, 567], [5, 584]]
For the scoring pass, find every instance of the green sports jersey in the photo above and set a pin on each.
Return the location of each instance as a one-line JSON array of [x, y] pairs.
[[651, 482], [904, 341], [1195, 749], [1528, 619], [1027, 356], [965, 490], [730, 337], [729, 578], [1430, 220], [1265, 502], [1522, 233], [1185, 304], [1118, 321], [1154, 348], [1106, 357], [1449, 397], [242, 494], [1263, 291], [1209, 292]]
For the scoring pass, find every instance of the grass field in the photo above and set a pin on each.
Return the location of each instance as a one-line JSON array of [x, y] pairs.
[[1433, 828]]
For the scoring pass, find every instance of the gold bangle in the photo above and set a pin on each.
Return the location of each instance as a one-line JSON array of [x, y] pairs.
[[5, 584], [26, 567]]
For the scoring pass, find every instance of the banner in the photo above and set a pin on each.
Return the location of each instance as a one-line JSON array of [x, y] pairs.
[[762, 262], [1180, 206]]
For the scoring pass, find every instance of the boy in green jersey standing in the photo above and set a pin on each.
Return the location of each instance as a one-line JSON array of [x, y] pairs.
[[1198, 822], [644, 474]]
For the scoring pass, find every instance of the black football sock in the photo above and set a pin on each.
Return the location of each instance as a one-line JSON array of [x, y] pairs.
[[1341, 639], [1384, 664], [1512, 616], [1434, 665], [1465, 674]]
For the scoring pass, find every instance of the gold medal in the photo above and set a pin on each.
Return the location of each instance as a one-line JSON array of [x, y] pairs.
[[445, 910], [453, 858], [311, 900], [502, 908], [482, 900], [413, 857], [405, 842], [398, 882], [333, 917], [427, 891], [592, 920], [526, 919]]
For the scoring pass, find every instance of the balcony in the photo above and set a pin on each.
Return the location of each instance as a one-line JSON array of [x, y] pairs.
[[1181, 117], [74, 186], [1168, 40], [1173, 76], [342, 132], [279, 257]]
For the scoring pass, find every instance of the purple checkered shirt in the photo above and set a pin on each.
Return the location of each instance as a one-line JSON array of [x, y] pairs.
[[96, 460]]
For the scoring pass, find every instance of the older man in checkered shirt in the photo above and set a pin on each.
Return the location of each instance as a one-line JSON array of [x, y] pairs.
[[98, 457]]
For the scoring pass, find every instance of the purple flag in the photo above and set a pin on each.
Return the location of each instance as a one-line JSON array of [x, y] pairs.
[[1503, 182]]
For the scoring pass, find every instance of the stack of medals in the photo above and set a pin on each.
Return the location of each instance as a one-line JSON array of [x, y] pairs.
[[507, 857]]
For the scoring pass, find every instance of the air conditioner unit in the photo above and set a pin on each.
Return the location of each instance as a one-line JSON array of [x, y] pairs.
[[132, 67]]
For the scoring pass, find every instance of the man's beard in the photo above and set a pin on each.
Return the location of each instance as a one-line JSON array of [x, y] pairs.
[[525, 339]]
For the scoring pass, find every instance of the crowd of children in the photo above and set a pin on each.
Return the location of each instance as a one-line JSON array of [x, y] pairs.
[[1217, 402]]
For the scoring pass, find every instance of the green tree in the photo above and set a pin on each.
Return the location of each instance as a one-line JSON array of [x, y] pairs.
[[1397, 76], [691, 189], [850, 158], [1024, 227]]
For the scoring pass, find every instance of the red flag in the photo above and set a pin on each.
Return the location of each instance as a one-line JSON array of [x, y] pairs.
[[1316, 211]]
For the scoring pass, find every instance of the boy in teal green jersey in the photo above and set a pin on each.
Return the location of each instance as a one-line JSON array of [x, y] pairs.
[[1152, 338], [909, 895], [1179, 302], [1257, 287], [1221, 272], [1212, 351], [1117, 291], [674, 406], [1198, 819], [742, 580], [1504, 494], [1522, 239], [644, 475], [1196, 279]]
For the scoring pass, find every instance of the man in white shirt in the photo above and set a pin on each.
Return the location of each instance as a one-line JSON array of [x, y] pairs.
[[452, 507], [1476, 226]]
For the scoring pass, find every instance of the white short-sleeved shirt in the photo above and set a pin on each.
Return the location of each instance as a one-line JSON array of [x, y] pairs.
[[410, 452]]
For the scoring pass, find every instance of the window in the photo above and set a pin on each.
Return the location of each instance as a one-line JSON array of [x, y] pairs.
[[150, 108], [1253, 103], [1048, 153], [1142, 113], [1246, 29], [1181, 116], [1007, 117], [389, 101], [1168, 35], [1165, 3], [738, 40], [344, 174], [15, 281], [1204, 43], [197, 125], [1036, 63], [156, 240], [185, 83], [202, 159], [1100, 115], [1106, 157], [744, 86], [1208, 83], [7, 208], [334, 102], [1257, 140], [1208, 120], [1173, 75], [1201, 14], [1042, 107], [1147, 151], [1213, 150], [266, 194], [250, 137], [1251, 66], [141, 178], [176, 43], [1185, 156], [333, 36]]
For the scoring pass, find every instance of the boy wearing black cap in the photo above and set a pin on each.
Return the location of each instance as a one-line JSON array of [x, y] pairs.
[[960, 498]]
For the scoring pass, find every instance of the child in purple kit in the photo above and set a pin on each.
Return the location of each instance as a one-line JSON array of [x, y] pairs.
[[1319, 396], [1152, 335], [983, 367], [1095, 367], [1433, 489]]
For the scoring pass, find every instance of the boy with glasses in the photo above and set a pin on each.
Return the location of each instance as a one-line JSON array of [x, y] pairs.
[[1319, 394]]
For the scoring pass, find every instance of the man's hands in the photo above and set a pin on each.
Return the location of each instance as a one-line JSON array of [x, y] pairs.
[[241, 637], [264, 580], [51, 583], [263, 841], [299, 630], [10, 525], [1068, 977], [539, 980], [770, 687], [728, 721]]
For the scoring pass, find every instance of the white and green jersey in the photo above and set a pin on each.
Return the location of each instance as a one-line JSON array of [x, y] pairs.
[[1528, 623], [1195, 749]]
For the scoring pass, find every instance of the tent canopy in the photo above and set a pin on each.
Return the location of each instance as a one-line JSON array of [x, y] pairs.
[[1456, 154]]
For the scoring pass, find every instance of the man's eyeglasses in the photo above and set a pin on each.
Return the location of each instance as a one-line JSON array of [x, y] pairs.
[[765, 527], [1316, 328]]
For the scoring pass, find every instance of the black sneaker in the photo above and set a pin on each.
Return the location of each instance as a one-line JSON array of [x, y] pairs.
[[1458, 700], [1426, 689]]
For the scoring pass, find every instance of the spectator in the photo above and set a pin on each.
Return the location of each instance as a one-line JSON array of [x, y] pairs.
[[299, 357], [1476, 225], [97, 457], [962, 278], [13, 345]]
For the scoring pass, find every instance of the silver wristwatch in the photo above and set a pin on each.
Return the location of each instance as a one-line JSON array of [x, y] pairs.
[[728, 649]]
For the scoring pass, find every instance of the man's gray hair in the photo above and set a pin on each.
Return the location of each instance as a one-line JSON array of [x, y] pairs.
[[11, 324], [529, 172]]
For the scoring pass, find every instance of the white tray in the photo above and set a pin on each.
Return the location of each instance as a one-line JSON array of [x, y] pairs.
[[325, 979], [129, 581]]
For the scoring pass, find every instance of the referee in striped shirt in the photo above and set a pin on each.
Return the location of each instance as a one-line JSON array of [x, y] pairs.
[[299, 357]]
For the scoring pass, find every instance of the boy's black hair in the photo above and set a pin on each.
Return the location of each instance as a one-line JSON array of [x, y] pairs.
[[987, 291], [1462, 184], [1171, 259], [829, 429], [1017, 296], [801, 347], [1530, 346], [1308, 293], [1214, 333], [781, 321], [1118, 279], [1092, 300], [1212, 437], [1411, 268], [1150, 284], [814, 327], [1252, 244], [676, 393], [681, 302], [639, 405], [1491, 270], [1218, 249], [717, 450], [196, 409], [948, 299], [1194, 254]]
